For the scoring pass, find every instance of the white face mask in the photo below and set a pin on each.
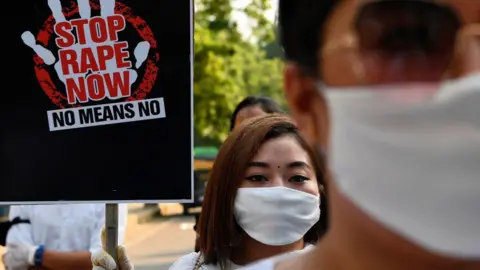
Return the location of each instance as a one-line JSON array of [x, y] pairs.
[[276, 216], [414, 165]]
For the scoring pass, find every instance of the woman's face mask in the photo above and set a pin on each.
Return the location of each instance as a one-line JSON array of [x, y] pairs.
[[276, 216]]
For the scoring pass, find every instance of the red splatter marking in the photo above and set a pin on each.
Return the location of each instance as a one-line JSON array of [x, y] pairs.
[[46, 33]]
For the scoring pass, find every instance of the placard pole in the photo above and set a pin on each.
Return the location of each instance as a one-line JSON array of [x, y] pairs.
[[111, 229]]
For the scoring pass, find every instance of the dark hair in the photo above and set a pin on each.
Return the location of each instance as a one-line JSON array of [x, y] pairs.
[[218, 228], [268, 105], [300, 30]]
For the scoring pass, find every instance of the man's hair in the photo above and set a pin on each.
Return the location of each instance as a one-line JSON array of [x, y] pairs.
[[218, 229], [300, 30], [268, 105]]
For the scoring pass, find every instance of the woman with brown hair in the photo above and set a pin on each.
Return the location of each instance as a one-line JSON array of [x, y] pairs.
[[249, 107], [263, 199]]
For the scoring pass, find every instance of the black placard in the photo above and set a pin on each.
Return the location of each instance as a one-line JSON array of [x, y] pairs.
[[96, 101]]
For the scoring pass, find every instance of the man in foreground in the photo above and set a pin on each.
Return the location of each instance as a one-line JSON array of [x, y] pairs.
[[404, 145]]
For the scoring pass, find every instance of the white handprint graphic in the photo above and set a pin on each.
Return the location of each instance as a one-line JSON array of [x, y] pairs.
[[91, 62]]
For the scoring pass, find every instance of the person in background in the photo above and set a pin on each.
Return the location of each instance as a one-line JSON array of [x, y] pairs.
[[253, 106], [58, 237], [263, 199], [250, 107]]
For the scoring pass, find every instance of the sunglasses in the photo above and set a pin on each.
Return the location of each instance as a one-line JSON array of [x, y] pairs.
[[405, 26]]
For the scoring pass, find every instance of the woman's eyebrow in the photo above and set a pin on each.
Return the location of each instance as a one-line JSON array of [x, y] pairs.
[[298, 164], [258, 164], [295, 164]]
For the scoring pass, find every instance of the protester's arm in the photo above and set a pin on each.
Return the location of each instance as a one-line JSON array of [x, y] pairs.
[[79, 260], [76, 260], [22, 256], [20, 242]]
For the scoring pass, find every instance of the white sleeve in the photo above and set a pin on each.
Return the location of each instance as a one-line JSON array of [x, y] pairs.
[[20, 233], [122, 222], [186, 262], [99, 222]]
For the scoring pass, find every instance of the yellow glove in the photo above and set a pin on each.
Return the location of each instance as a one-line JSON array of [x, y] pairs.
[[101, 260]]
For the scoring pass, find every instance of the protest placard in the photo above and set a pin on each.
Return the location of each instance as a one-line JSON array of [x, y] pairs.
[[97, 101]]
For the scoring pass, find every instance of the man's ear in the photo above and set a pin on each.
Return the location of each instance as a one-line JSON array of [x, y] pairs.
[[467, 52], [306, 104]]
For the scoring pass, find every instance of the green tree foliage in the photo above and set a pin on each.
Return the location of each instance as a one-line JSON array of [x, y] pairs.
[[228, 67]]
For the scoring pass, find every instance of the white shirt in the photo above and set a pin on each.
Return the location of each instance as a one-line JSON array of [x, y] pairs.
[[63, 227], [188, 261], [269, 264]]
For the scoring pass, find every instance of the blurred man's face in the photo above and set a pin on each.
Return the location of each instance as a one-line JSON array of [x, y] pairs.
[[372, 43], [394, 153]]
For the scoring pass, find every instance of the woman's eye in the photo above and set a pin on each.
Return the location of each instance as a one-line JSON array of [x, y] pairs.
[[257, 178], [298, 179]]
